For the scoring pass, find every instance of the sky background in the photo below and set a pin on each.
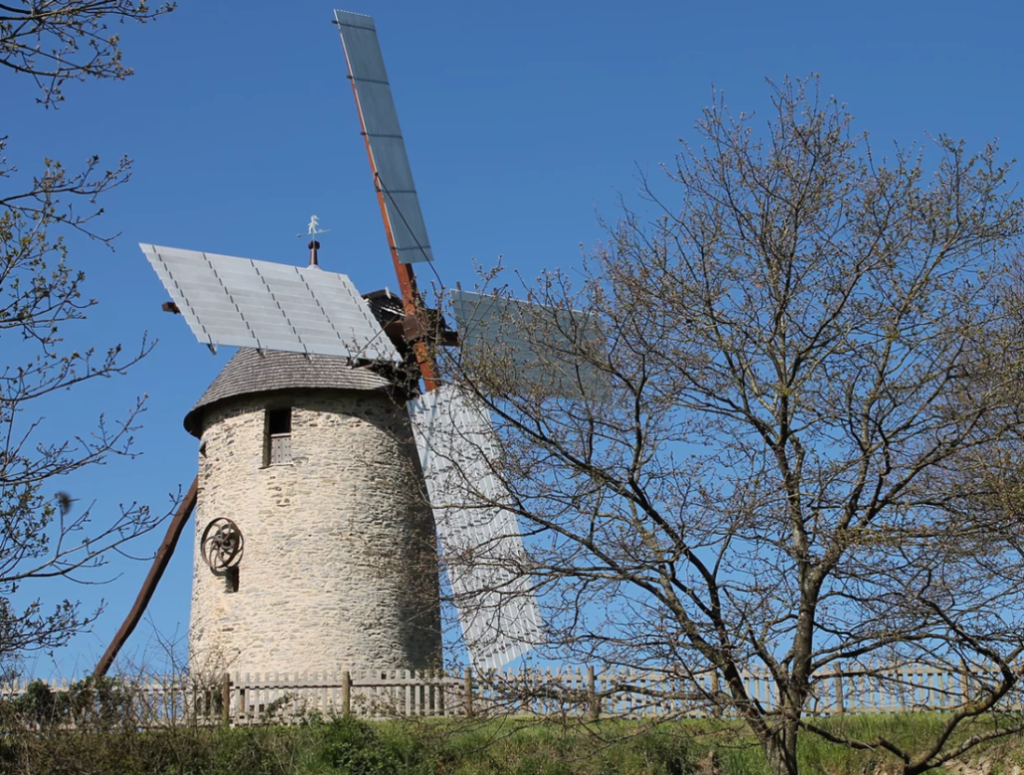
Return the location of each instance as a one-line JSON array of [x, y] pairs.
[[526, 123]]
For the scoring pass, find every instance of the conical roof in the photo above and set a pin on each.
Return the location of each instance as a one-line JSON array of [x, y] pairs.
[[254, 371]]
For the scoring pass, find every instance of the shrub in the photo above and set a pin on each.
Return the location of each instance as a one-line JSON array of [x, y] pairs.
[[353, 747]]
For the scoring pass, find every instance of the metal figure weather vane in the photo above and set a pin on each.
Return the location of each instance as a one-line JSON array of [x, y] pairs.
[[313, 230]]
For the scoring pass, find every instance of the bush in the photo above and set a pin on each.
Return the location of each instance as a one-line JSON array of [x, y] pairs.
[[94, 702], [251, 751], [354, 747]]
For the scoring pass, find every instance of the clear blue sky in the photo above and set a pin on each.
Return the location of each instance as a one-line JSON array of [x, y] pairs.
[[524, 122]]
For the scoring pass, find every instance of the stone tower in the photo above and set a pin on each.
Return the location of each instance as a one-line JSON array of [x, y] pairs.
[[313, 461]]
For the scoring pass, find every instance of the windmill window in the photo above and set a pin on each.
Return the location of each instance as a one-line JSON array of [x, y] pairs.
[[277, 448]]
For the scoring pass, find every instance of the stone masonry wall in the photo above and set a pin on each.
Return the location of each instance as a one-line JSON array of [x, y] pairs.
[[340, 568]]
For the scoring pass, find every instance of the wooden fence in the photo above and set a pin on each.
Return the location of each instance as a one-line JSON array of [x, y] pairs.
[[244, 698]]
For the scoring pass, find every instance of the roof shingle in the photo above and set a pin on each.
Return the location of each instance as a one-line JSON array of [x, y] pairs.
[[252, 371]]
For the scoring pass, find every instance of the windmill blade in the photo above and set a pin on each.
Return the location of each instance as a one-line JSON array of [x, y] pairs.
[[531, 349], [266, 306], [481, 544], [388, 157]]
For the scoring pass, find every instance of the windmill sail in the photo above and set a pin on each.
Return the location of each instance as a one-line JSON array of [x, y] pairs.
[[480, 540], [387, 148], [267, 306], [532, 349]]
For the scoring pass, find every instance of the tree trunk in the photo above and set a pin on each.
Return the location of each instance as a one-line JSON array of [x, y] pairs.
[[780, 751]]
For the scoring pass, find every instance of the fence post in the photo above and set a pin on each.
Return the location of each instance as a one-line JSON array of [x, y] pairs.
[[441, 686], [840, 700], [240, 705], [346, 694], [964, 686], [593, 708], [225, 698], [468, 691], [716, 706]]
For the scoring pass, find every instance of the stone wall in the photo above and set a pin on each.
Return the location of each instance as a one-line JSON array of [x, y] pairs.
[[339, 568]]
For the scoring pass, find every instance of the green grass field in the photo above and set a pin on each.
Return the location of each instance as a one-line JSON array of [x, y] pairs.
[[516, 747]]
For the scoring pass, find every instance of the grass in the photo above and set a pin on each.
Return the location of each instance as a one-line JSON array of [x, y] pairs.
[[509, 747]]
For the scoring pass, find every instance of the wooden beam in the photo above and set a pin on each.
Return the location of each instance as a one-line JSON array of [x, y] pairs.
[[163, 556], [411, 301]]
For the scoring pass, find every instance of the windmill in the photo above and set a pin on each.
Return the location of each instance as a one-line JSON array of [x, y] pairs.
[[267, 308]]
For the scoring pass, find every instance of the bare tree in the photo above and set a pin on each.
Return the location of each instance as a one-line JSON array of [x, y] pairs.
[[796, 446], [53, 41], [44, 531]]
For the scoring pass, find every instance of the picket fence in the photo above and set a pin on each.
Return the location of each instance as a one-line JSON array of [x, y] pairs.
[[246, 699]]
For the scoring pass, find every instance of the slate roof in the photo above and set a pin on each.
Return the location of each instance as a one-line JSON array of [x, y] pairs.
[[252, 371]]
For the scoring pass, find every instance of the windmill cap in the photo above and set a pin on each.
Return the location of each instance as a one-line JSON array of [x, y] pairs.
[[250, 372]]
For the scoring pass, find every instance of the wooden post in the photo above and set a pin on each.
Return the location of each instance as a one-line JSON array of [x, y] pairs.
[[442, 687], [163, 556], [468, 691], [964, 686], [593, 709], [171, 690], [433, 691], [346, 694], [225, 699], [840, 700], [716, 705]]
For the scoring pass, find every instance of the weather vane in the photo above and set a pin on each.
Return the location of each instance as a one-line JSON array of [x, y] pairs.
[[312, 231]]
